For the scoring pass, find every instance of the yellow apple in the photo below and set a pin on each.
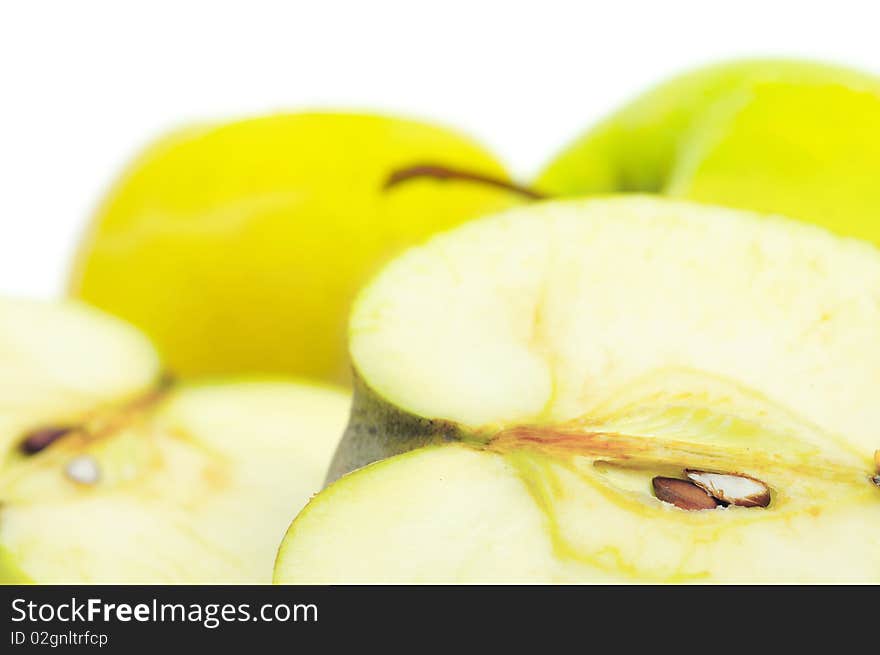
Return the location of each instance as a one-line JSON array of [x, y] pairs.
[[238, 247]]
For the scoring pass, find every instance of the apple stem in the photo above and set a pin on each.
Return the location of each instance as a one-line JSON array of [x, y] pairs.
[[439, 172]]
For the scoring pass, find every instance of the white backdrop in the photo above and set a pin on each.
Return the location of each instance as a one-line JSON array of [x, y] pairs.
[[83, 84]]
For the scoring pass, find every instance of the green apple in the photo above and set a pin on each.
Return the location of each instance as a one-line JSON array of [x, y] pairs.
[[238, 247], [608, 390], [110, 473], [796, 138]]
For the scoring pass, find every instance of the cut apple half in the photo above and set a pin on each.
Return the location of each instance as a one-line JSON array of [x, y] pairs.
[[110, 473], [609, 390]]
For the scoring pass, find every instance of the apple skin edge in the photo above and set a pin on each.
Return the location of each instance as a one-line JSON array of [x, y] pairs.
[[377, 430], [10, 573]]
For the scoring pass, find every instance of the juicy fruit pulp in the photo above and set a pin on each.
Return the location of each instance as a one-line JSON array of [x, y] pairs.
[[795, 138], [577, 352], [239, 247], [108, 474]]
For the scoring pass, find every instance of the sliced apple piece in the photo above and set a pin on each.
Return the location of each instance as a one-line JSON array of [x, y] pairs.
[[548, 364], [63, 362], [133, 480]]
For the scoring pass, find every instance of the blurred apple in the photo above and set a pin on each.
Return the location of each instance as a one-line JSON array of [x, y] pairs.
[[796, 138], [238, 247]]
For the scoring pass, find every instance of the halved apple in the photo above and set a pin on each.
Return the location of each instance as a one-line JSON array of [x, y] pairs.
[[609, 390], [110, 473]]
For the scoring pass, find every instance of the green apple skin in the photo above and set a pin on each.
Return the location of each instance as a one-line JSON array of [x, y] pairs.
[[796, 138], [10, 573], [238, 247]]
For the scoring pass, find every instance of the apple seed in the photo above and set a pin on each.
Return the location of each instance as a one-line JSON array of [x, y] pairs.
[[683, 494], [739, 490], [41, 438], [83, 469]]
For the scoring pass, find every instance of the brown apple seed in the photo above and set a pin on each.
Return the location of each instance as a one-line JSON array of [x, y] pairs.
[[683, 494], [740, 490], [41, 438]]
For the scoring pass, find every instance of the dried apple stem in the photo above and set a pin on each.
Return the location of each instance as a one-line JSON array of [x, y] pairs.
[[439, 172]]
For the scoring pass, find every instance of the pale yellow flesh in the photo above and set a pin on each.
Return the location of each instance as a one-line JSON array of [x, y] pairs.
[[538, 314], [445, 515], [202, 493]]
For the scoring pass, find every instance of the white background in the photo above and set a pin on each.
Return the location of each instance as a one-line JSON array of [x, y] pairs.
[[84, 84]]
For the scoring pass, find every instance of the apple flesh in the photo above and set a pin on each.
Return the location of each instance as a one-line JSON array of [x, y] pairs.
[[526, 383], [109, 474], [795, 138], [238, 247], [61, 362]]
